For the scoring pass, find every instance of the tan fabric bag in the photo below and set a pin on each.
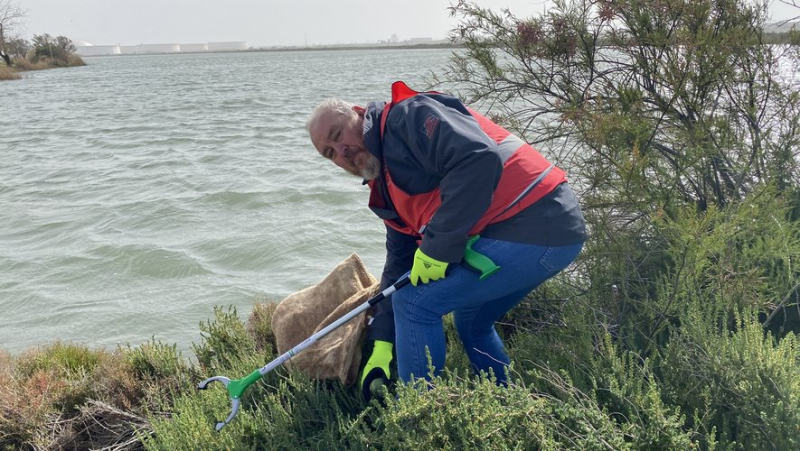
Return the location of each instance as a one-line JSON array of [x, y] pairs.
[[300, 315]]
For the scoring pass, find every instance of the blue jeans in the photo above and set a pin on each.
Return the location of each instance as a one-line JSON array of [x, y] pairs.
[[475, 304]]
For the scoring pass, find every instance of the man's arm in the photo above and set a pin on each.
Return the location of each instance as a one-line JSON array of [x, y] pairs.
[[400, 250], [447, 146]]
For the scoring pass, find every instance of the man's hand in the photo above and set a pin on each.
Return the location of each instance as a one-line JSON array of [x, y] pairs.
[[377, 367], [426, 268]]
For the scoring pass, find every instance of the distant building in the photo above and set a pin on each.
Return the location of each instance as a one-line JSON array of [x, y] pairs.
[[95, 50], [226, 46], [415, 41], [194, 47], [159, 48], [84, 48]]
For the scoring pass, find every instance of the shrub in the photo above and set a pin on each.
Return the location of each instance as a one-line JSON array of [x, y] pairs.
[[55, 51], [259, 326], [161, 372], [741, 386], [583, 369], [64, 396], [462, 412], [155, 360], [225, 342]]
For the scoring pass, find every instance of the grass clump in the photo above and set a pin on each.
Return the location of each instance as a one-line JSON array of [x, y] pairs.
[[25, 64], [48, 395], [67, 396], [7, 73]]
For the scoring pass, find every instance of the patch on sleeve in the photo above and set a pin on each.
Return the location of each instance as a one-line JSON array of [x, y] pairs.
[[430, 125]]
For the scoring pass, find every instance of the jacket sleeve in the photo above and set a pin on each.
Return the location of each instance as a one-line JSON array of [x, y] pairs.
[[447, 143], [400, 250]]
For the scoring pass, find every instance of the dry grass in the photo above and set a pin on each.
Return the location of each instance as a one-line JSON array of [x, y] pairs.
[[8, 73], [26, 64], [66, 396]]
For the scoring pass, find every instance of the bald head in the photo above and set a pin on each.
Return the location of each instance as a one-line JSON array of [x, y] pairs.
[[336, 129]]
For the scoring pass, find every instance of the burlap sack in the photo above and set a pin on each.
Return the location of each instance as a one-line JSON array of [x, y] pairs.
[[338, 355]]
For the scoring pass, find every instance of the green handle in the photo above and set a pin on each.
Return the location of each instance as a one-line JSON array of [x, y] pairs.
[[480, 262], [237, 387]]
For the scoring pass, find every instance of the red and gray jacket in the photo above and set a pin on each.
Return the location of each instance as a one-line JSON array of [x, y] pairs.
[[525, 176], [449, 173]]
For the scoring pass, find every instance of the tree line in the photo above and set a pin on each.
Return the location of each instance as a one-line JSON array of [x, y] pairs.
[[54, 51]]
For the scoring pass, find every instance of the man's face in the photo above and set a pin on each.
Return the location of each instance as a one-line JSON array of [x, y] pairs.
[[340, 138]]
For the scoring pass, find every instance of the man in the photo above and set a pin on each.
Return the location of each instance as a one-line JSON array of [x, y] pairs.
[[439, 174]]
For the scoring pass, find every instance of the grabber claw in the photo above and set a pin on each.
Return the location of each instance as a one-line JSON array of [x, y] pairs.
[[203, 385], [235, 389]]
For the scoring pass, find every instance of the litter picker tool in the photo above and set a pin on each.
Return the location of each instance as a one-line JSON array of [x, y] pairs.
[[237, 387]]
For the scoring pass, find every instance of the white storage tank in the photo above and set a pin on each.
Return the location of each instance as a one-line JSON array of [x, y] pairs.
[[84, 48], [159, 48], [194, 47], [226, 46]]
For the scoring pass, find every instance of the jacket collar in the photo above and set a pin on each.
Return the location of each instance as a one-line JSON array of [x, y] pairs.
[[372, 129]]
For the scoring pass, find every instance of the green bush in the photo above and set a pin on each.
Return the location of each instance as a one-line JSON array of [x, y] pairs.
[[225, 341], [155, 360], [161, 372], [741, 386]]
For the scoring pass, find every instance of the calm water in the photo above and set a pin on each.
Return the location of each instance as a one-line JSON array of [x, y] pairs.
[[138, 192]]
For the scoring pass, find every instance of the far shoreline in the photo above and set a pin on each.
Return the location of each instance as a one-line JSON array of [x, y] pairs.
[[296, 49], [770, 39]]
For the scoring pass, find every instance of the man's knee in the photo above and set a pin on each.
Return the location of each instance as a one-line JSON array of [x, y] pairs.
[[414, 307]]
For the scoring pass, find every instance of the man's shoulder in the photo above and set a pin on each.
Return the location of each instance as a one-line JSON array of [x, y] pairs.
[[438, 101], [418, 107]]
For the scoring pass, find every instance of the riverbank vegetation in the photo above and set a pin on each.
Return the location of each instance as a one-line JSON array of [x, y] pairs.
[[9, 74], [18, 54], [44, 52], [676, 329]]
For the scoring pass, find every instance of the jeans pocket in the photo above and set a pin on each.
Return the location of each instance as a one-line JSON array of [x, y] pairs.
[[555, 259], [546, 262]]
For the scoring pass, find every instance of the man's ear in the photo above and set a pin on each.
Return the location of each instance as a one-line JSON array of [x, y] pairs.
[[359, 110]]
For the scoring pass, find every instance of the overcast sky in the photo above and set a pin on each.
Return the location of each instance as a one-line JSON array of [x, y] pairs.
[[257, 22]]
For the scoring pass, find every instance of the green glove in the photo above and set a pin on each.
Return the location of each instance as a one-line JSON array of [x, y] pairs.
[[377, 367], [426, 268]]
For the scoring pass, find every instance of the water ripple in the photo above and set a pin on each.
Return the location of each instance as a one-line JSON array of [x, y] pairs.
[[141, 191]]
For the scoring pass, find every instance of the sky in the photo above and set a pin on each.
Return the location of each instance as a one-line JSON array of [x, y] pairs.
[[258, 22]]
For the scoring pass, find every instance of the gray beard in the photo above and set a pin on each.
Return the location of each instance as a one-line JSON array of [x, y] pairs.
[[372, 170]]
